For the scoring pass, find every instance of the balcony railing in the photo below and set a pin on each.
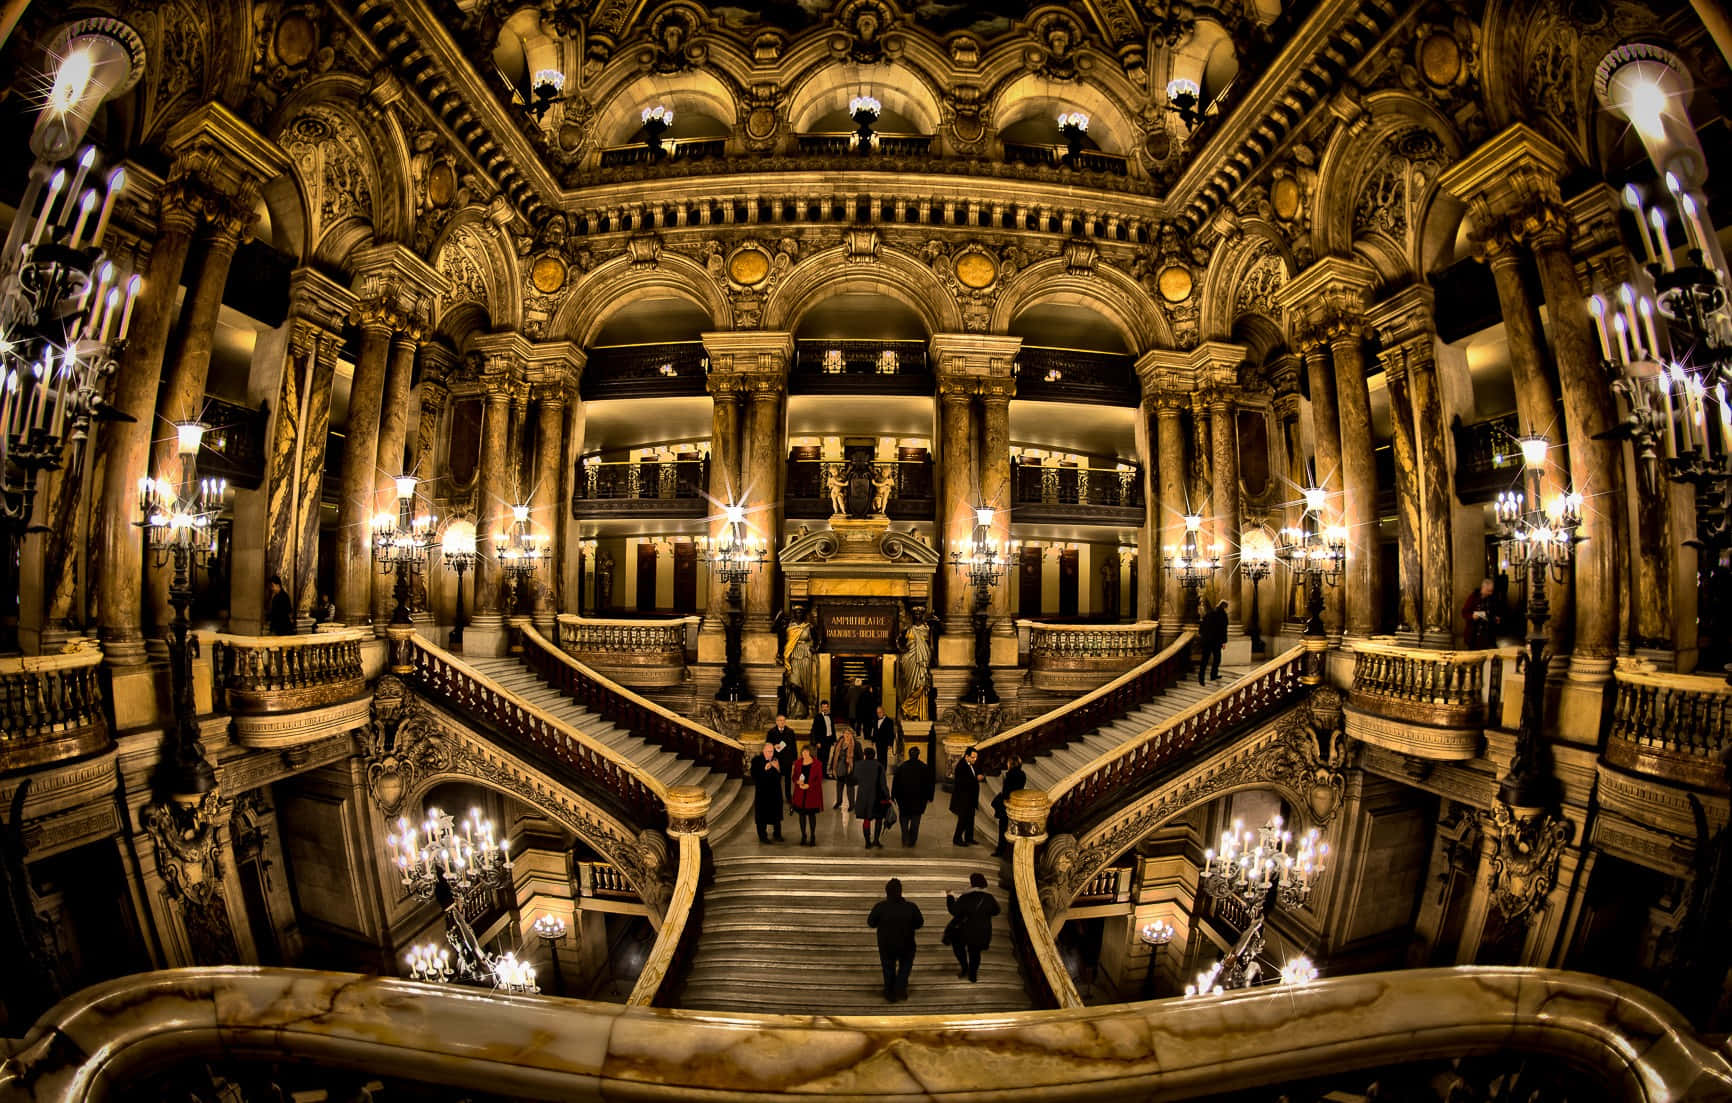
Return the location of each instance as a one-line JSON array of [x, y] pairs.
[[638, 653], [1048, 493], [1053, 156], [1110, 886], [860, 367], [1488, 459], [673, 149], [604, 881], [888, 145], [1075, 658], [257, 675], [1677, 727], [234, 443], [640, 488], [911, 498], [1424, 703], [50, 709], [659, 370], [1071, 375]]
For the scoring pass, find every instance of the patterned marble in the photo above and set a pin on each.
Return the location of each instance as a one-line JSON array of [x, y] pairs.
[[88, 1046]]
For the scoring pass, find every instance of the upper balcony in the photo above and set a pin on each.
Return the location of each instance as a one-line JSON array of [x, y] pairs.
[[661, 369], [911, 499], [1071, 375], [641, 488], [234, 443], [860, 367], [1076, 495]]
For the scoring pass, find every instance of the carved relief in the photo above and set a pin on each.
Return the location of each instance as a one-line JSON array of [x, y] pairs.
[[1261, 280], [1055, 52], [1389, 200], [748, 271], [187, 853], [864, 32], [335, 167], [1524, 855], [974, 273], [672, 40]]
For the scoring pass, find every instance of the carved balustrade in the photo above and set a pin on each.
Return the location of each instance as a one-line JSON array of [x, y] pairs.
[[644, 653], [1075, 658], [657, 370], [621, 707], [602, 773], [1138, 763], [1109, 886], [286, 690], [1423, 703], [640, 488], [604, 881], [1677, 727], [1075, 719], [50, 709]]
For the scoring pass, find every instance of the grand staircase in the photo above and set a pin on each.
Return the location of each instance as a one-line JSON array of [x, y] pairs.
[[730, 800], [1046, 770]]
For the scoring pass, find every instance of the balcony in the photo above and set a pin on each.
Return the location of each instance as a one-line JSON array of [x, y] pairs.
[[887, 145], [1071, 375], [1079, 658], [50, 709], [641, 488], [283, 691], [1675, 727], [860, 367], [1426, 704], [673, 149], [642, 654], [1050, 494], [1053, 156], [1487, 459], [912, 499], [234, 445], [665, 369]]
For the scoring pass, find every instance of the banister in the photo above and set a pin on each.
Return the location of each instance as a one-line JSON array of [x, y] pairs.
[[639, 715], [1036, 932], [51, 708], [1672, 726], [663, 956], [97, 1044]]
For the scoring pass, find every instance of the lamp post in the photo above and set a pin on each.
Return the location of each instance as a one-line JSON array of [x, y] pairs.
[[179, 521], [1193, 568], [1256, 559], [984, 563], [550, 929], [1314, 553], [735, 554], [1536, 544], [401, 543], [457, 545], [1155, 934], [520, 554]]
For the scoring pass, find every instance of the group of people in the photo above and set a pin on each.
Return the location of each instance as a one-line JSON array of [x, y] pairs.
[[896, 919], [280, 609]]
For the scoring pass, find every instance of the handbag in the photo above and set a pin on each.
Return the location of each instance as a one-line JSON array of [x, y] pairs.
[[953, 929], [889, 813]]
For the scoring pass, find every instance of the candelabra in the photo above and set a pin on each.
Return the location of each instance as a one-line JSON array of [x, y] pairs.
[[1535, 544], [656, 121], [429, 963], [1191, 565], [982, 561], [457, 545], [735, 554], [1184, 96], [864, 110], [1314, 553], [521, 554], [1155, 934], [1256, 559], [401, 543], [446, 862], [179, 520], [551, 929], [1257, 871], [1073, 126], [544, 91]]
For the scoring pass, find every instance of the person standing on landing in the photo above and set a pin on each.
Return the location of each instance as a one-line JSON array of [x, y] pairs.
[[912, 791], [841, 766], [1014, 778], [782, 736], [767, 794], [971, 928], [896, 920], [870, 792], [808, 798], [1212, 635], [883, 735], [823, 734], [965, 797]]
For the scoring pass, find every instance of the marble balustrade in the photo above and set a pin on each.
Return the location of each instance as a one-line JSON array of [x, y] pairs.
[[1672, 726], [1424, 703], [639, 653], [266, 674], [1076, 658], [50, 709]]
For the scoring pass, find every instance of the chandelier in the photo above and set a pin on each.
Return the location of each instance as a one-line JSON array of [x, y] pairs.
[[732, 557], [401, 544], [1314, 553], [448, 862], [1259, 870], [864, 110]]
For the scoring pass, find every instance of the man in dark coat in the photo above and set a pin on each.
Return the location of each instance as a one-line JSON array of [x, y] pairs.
[[965, 797], [896, 920], [883, 735], [971, 930], [767, 795], [866, 710], [823, 734], [782, 737], [1212, 636], [871, 796], [282, 610], [1014, 778], [912, 791]]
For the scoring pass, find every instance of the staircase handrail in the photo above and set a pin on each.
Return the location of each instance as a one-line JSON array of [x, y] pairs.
[[1121, 770], [642, 717], [1075, 719], [448, 678]]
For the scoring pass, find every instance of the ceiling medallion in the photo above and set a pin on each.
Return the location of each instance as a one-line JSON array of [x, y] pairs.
[[1175, 283], [1284, 197], [975, 268], [548, 273], [749, 266]]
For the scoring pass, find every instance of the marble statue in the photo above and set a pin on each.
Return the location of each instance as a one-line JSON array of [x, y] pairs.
[[883, 482], [914, 667], [836, 477], [799, 667]]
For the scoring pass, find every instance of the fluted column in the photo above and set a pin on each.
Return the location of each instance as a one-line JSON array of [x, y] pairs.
[[995, 489], [1358, 478], [1407, 524], [376, 321], [544, 502], [491, 501], [1326, 437], [725, 402], [956, 495], [1225, 502], [1170, 431]]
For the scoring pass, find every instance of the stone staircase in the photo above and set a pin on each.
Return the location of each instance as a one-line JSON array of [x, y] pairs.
[[730, 800], [1048, 769], [784, 930]]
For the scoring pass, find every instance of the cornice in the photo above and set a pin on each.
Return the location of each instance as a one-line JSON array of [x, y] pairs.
[[232, 156], [1504, 167], [1333, 285], [319, 299]]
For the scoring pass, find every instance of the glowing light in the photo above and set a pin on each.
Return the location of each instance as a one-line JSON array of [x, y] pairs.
[[71, 81]]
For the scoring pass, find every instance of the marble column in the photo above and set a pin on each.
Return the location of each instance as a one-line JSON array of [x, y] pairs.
[[1595, 463], [956, 496], [1407, 523], [390, 461], [571, 556], [725, 403], [282, 485], [1358, 478], [123, 447], [995, 490], [544, 502], [762, 457], [315, 433], [356, 506], [1201, 496], [1224, 502], [491, 504], [1326, 435], [1149, 532], [1170, 433]]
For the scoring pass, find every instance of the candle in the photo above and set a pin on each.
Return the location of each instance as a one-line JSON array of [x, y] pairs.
[[55, 183], [1633, 200], [86, 203], [1725, 419], [1699, 407], [67, 363], [39, 397], [1597, 307], [1623, 338], [1694, 221], [132, 286], [116, 180], [1645, 308], [108, 313], [1658, 218], [103, 275], [85, 160], [1664, 382], [1627, 301]]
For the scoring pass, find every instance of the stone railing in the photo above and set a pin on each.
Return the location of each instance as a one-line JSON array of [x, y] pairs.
[[50, 709], [605, 775], [1109, 886], [604, 881], [1672, 726], [434, 1041], [1128, 769], [620, 706], [287, 690], [664, 969], [648, 653], [1075, 658], [1423, 703], [1052, 730]]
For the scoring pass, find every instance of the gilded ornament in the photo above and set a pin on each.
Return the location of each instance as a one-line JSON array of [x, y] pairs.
[[1440, 58], [1284, 197], [761, 123], [1175, 283], [976, 270], [749, 266], [296, 39], [548, 273], [442, 184]]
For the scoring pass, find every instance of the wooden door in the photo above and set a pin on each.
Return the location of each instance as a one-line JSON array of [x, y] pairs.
[[1067, 582], [1028, 584], [646, 577], [685, 577]]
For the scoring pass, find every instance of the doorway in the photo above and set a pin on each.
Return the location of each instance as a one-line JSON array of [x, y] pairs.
[[852, 706]]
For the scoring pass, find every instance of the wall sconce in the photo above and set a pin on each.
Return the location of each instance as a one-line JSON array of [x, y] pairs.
[[1184, 97], [656, 121], [864, 110]]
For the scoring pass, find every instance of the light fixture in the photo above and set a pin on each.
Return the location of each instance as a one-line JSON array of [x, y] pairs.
[[888, 362], [656, 120], [1314, 552], [1072, 127], [1184, 95], [1192, 564], [447, 862], [984, 562], [520, 553], [545, 87], [402, 542], [833, 362], [667, 369], [734, 555], [1258, 870], [1155, 934], [1256, 560], [864, 110], [429, 963], [1299, 971], [100, 58]]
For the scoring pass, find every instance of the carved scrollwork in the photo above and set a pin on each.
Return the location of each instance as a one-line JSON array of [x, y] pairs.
[[1524, 855], [187, 849]]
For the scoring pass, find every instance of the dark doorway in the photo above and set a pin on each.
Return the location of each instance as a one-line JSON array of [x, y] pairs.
[[646, 577], [685, 577], [1067, 582], [854, 706], [1028, 584]]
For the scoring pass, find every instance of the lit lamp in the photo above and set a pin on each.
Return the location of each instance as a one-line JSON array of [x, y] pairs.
[[457, 546], [864, 110], [1192, 566], [982, 561], [1155, 934], [1073, 127], [1314, 553], [545, 87], [1258, 871], [1184, 96], [401, 542], [448, 862], [734, 555], [1256, 559], [551, 929], [520, 555], [656, 121]]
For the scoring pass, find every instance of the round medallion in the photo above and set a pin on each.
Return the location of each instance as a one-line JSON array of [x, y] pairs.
[[442, 184], [761, 122], [749, 266], [570, 136], [1175, 283], [548, 273], [296, 40], [1159, 145], [976, 270], [1440, 58], [1284, 197]]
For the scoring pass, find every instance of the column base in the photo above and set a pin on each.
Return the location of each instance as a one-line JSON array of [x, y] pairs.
[[1437, 639], [485, 637], [1236, 652]]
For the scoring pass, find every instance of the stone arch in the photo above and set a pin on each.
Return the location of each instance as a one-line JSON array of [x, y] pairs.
[[467, 252], [1533, 71], [1032, 94], [903, 89], [892, 273], [1110, 292], [700, 90], [607, 287], [353, 168], [1242, 277]]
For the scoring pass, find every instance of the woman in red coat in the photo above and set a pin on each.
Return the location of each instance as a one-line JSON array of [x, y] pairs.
[[808, 794]]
